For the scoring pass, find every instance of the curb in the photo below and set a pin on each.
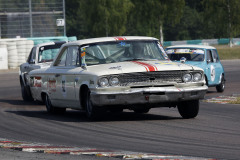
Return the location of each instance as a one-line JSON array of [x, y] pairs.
[[222, 99], [50, 149]]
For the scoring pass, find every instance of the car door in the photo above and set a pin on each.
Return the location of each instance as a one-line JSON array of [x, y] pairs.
[[64, 78], [212, 71], [218, 66]]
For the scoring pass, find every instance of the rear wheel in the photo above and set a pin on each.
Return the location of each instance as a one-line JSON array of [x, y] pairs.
[[26, 94], [188, 109], [50, 108], [221, 86]]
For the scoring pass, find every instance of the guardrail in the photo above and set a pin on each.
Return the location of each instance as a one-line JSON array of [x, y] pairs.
[[222, 41]]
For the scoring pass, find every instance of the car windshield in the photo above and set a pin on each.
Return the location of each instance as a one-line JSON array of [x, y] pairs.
[[47, 53], [191, 54], [120, 51]]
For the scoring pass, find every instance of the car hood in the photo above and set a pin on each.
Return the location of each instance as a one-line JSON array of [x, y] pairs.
[[195, 63], [138, 66]]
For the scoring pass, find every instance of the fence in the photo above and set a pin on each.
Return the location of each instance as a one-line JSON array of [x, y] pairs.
[[32, 18]]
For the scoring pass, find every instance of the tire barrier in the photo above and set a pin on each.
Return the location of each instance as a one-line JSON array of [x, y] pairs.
[[12, 55], [21, 49], [18, 49], [29, 45], [3, 58]]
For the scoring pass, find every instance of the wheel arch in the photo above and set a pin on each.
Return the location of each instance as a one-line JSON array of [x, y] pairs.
[[82, 95], [43, 96], [206, 79]]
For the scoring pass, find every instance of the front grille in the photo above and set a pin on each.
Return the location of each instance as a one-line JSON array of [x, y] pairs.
[[151, 77]]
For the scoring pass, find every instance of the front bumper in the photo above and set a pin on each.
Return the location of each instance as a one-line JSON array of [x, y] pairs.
[[147, 95]]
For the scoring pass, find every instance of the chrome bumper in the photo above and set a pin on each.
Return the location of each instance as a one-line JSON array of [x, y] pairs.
[[149, 95]]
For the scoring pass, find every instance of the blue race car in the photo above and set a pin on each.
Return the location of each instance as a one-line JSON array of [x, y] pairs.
[[205, 57]]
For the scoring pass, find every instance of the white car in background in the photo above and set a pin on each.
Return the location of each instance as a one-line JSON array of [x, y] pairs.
[[41, 56], [116, 73]]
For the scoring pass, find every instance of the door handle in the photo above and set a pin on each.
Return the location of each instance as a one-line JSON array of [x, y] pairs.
[[57, 75]]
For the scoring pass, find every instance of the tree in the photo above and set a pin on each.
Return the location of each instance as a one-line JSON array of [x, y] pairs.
[[223, 16], [190, 25], [98, 18], [148, 17]]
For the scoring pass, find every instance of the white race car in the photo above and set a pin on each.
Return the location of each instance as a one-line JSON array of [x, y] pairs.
[[41, 56], [116, 73]]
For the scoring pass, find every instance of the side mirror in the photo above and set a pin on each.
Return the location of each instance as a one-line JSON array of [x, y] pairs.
[[208, 61], [32, 61]]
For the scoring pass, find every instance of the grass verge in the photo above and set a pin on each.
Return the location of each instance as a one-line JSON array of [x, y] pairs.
[[237, 101], [225, 52]]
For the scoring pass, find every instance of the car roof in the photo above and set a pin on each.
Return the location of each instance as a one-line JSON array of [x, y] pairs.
[[108, 39], [50, 43], [192, 46]]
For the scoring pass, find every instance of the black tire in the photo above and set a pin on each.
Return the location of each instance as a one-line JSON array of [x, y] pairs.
[[221, 86], [206, 80], [26, 93], [116, 110], [51, 109], [188, 109], [92, 111], [141, 110]]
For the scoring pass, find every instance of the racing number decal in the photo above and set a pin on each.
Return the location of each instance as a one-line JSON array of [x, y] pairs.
[[212, 69]]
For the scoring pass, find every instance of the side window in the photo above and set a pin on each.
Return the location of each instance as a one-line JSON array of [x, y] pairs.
[[215, 56], [62, 60], [209, 56], [72, 56]]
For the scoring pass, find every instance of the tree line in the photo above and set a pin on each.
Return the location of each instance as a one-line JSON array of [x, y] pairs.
[[170, 20]]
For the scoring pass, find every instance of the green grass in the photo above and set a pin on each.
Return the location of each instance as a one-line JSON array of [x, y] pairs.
[[237, 101], [225, 52]]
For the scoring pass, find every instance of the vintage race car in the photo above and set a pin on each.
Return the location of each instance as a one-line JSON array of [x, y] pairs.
[[205, 57], [116, 73], [41, 56]]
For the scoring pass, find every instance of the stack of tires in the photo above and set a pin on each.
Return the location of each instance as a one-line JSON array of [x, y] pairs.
[[29, 46], [21, 49], [3, 44], [12, 55], [3, 55]]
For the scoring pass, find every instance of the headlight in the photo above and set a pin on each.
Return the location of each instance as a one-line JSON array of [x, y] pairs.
[[114, 81], [103, 82], [197, 77], [187, 77]]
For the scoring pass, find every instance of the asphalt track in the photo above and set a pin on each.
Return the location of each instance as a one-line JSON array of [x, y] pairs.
[[215, 133]]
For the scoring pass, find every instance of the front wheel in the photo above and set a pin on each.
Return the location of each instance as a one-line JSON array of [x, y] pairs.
[[92, 111], [50, 108], [221, 86], [188, 109]]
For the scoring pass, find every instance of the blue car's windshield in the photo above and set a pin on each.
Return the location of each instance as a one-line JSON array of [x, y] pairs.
[[191, 54]]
